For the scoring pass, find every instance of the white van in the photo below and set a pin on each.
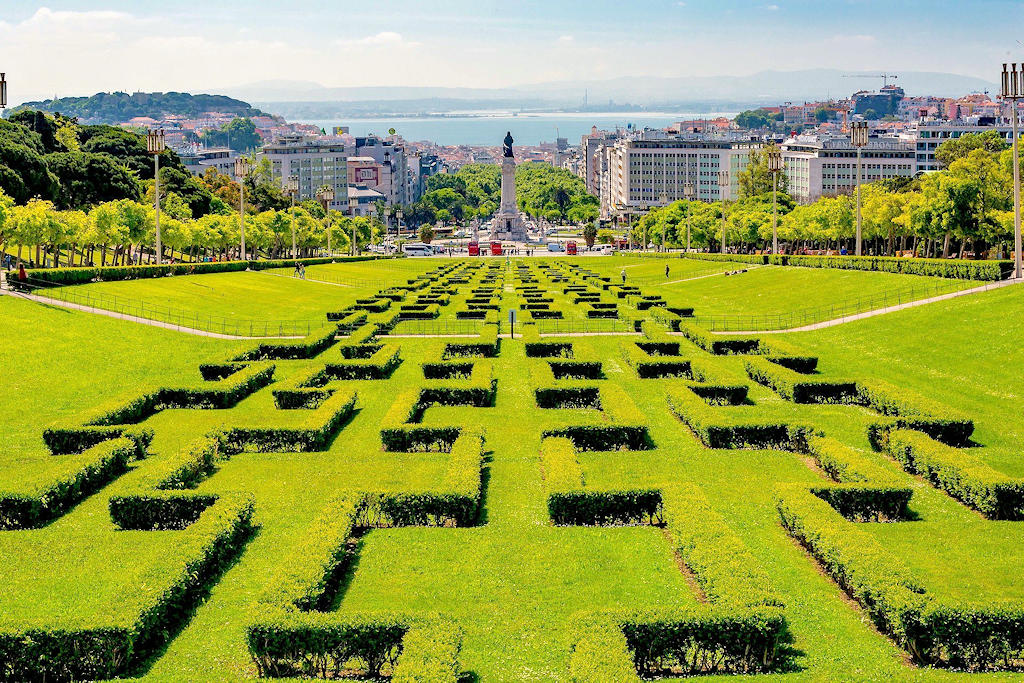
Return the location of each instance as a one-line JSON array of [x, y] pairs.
[[417, 249]]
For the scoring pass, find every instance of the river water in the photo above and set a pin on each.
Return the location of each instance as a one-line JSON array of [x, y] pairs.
[[488, 128]]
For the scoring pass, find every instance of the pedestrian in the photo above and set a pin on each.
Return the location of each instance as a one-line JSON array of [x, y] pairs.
[[22, 276], [666, 271], [295, 273], [623, 274]]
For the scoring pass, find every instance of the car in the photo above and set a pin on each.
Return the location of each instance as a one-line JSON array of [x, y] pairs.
[[554, 246]]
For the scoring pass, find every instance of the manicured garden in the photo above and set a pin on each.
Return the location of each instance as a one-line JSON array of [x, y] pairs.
[[843, 504]]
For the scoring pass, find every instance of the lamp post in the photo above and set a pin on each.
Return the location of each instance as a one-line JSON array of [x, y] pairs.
[[644, 208], [688, 196], [155, 145], [353, 204], [773, 155], [664, 203], [723, 189], [291, 186], [1013, 90], [326, 195], [241, 171], [399, 214], [858, 138], [3, 90]]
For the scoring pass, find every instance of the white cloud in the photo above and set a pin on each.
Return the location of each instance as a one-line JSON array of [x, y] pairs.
[[565, 39]]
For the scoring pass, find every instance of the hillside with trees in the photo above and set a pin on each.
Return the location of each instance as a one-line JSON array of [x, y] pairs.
[[116, 107]]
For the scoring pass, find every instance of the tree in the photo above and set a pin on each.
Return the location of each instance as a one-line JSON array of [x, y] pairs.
[[959, 148], [590, 233], [821, 114], [755, 179], [753, 118], [239, 134], [426, 233], [85, 180]]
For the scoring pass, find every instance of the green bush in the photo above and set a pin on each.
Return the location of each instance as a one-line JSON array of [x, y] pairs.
[[760, 259], [308, 347], [314, 434], [959, 473], [720, 346], [80, 475], [67, 651], [795, 387], [959, 269], [430, 654], [718, 430], [600, 654], [653, 367], [910, 410]]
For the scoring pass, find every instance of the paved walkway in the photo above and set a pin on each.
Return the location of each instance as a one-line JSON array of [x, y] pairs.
[[742, 267], [882, 311], [131, 318], [307, 279]]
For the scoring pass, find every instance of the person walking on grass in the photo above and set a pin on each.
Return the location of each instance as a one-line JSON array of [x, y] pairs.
[[623, 274], [666, 271]]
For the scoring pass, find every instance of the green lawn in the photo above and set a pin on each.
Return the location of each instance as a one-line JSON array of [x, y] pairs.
[[514, 581]]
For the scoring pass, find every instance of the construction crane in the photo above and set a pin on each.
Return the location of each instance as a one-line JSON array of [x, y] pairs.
[[885, 77]]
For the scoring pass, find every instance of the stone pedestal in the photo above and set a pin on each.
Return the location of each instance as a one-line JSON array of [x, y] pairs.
[[508, 223]]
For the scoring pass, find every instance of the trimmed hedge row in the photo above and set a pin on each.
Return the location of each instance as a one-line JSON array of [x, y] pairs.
[[718, 430], [653, 367], [623, 430], [974, 637], [958, 269], [315, 433], [866, 491], [599, 653], [717, 345], [43, 277], [400, 431], [569, 503], [486, 345], [795, 387], [71, 652], [959, 473], [910, 410], [80, 475], [291, 349], [723, 566]]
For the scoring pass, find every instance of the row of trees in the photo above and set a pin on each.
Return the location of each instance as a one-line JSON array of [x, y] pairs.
[[474, 191], [123, 232], [967, 207]]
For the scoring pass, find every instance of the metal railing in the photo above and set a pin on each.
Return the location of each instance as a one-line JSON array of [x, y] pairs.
[[182, 318], [808, 316]]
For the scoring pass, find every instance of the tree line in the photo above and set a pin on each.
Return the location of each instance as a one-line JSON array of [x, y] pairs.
[[965, 208]]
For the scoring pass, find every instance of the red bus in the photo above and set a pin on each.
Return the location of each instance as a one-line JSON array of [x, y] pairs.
[[495, 248], [474, 248], [570, 248]]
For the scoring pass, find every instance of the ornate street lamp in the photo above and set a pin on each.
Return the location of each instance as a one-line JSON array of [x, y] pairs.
[[688, 192], [399, 214], [326, 195], [859, 139], [291, 186], [773, 155], [723, 189], [3, 90], [241, 171], [353, 205], [155, 145], [664, 203], [1012, 90]]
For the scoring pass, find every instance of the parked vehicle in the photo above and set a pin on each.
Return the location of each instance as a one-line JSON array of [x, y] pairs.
[[417, 249], [474, 248], [496, 249], [570, 248], [554, 246]]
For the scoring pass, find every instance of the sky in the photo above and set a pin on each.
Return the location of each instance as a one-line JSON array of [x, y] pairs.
[[70, 48]]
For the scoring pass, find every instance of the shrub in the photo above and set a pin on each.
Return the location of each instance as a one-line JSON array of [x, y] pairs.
[[961, 474], [959, 269], [79, 476], [718, 430], [720, 346], [308, 347], [600, 654], [910, 410], [430, 654], [795, 387], [68, 651], [314, 434], [158, 510], [648, 367]]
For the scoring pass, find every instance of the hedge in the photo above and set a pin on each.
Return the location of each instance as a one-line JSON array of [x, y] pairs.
[[910, 410], [400, 431], [653, 367], [79, 476], [298, 349], [570, 504], [794, 386], [959, 269], [959, 473], [315, 433], [70, 652], [723, 566], [760, 259], [719, 430], [486, 346], [720, 346], [600, 654], [430, 654]]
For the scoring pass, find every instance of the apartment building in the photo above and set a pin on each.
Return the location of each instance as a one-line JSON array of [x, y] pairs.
[[315, 161], [819, 166], [652, 169], [927, 134]]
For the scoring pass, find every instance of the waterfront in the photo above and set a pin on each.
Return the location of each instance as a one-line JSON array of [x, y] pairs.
[[489, 128]]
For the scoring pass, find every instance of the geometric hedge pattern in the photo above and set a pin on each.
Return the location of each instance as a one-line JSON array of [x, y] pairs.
[[354, 435]]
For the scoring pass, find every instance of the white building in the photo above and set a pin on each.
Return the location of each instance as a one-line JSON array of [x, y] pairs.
[[652, 169], [926, 135], [316, 161], [818, 166], [220, 158]]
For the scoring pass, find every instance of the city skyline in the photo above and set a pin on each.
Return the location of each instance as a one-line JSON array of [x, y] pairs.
[[119, 45]]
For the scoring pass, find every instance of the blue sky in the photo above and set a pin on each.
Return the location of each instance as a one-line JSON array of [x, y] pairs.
[[74, 48]]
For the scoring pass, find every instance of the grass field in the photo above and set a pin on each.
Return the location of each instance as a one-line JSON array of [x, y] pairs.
[[513, 581]]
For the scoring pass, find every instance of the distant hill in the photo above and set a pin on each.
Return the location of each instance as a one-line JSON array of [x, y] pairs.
[[118, 106]]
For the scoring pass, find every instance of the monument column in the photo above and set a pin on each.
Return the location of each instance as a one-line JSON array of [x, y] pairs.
[[507, 222]]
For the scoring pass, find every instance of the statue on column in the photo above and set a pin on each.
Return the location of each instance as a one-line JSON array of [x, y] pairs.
[[507, 147]]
